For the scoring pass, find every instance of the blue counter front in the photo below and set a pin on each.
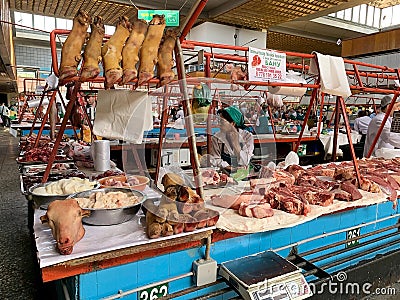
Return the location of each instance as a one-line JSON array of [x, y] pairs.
[[132, 273]]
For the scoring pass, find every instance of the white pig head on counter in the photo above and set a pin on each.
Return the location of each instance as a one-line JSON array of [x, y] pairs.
[[65, 220]]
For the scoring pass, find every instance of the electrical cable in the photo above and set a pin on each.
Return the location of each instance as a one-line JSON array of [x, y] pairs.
[[183, 5], [133, 4]]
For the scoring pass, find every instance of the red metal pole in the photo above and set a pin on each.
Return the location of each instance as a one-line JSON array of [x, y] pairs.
[[37, 113], [163, 124], [65, 107], [321, 111], [61, 131], [46, 115], [189, 119], [378, 134], [192, 18], [53, 48], [358, 76], [348, 131], [313, 97], [336, 129]]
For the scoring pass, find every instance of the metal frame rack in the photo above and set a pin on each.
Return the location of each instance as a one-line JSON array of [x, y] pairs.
[[355, 75], [360, 83]]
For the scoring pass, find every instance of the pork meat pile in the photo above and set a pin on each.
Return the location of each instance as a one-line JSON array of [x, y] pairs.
[[295, 188]]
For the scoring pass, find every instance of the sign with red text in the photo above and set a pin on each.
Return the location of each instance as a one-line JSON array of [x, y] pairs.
[[266, 65]]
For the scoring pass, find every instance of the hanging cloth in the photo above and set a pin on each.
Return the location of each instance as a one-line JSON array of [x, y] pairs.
[[332, 74], [123, 115]]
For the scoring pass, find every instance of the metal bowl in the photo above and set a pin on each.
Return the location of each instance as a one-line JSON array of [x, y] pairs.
[[143, 181], [111, 216], [43, 201]]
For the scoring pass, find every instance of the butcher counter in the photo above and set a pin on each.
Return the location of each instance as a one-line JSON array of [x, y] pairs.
[[115, 261]]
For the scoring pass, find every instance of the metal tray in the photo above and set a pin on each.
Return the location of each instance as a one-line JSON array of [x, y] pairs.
[[36, 169], [43, 201], [59, 159], [106, 217]]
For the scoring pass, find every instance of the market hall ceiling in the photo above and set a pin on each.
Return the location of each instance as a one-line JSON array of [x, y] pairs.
[[250, 14], [276, 16]]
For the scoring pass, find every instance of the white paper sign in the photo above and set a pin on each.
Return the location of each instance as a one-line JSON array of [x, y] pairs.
[[266, 65]]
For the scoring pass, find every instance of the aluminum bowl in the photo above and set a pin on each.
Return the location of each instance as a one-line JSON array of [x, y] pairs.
[[43, 201], [113, 216], [143, 181]]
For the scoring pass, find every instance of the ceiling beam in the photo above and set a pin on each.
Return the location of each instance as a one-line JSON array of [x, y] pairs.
[[225, 7], [343, 24], [333, 9], [301, 33]]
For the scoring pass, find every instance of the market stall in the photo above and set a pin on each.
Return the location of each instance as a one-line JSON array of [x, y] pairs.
[[322, 219]]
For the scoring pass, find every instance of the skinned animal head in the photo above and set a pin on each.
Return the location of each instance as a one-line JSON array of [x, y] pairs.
[[65, 220]]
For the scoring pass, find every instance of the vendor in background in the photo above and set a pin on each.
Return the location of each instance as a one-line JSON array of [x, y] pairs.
[[262, 121], [387, 139], [179, 113], [300, 114], [6, 116], [292, 114], [361, 124], [232, 146]]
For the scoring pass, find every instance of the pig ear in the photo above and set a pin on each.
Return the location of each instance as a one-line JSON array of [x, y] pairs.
[[44, 219], [85, 213]]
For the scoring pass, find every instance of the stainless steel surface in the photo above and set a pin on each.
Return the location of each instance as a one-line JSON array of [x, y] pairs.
[[105, 217], [43, 201]]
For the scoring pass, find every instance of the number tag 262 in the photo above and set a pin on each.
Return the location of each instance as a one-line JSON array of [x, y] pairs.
[[352, 234], [154, 292]]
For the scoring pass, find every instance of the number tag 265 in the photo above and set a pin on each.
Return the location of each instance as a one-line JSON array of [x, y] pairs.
[[154, 292]]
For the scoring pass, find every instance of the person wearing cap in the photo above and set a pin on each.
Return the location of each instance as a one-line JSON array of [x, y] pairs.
[[386, 139], [232, 146]]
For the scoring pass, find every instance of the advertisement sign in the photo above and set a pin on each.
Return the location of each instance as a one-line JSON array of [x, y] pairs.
[[266, 65]]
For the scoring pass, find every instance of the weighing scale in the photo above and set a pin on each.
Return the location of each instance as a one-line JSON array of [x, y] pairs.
[[395, 127], [265, 276]]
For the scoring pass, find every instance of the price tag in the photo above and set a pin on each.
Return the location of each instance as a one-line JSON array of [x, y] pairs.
[[352, 234], [154, 292]]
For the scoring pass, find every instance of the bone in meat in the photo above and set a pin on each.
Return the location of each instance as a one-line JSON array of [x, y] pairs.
[[149, 51], [130, 52], [71, 50], [165, 60], [92, 54], [112, 52]]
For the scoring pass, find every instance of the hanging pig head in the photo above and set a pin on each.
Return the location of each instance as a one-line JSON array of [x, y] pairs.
[[65, 220]]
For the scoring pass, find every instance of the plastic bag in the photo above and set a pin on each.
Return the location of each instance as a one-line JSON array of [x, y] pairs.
[[52, 81], [274, 100], [202, 95]]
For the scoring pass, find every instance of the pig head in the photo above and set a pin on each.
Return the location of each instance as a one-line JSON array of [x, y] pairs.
[[65, 220]]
